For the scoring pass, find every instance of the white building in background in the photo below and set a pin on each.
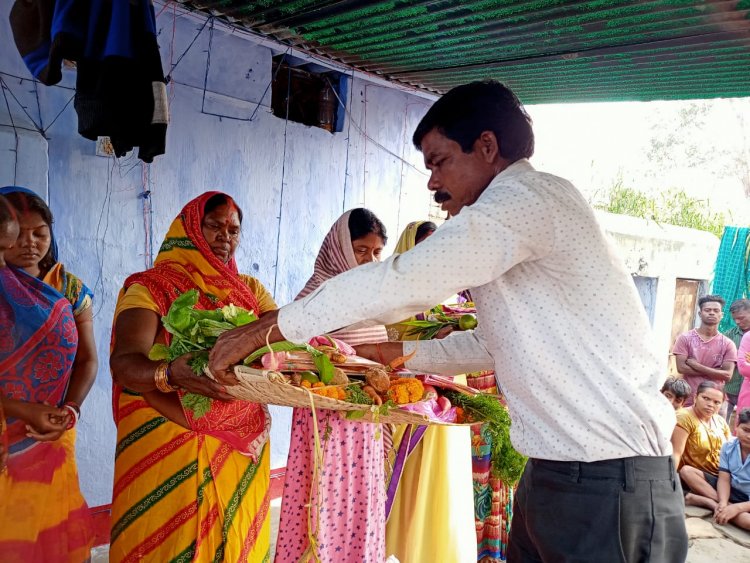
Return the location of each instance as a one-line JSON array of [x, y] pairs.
[[671, 267]]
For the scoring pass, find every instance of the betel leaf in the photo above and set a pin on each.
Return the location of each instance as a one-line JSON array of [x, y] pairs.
[[158, 353], [355, 415]]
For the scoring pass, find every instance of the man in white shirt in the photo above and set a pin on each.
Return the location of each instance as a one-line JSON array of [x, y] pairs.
[[560, 322]]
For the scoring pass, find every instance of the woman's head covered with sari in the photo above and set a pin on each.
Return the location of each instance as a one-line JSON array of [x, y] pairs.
[[414, 233], [198, 253], [356, 238], [36, 249]]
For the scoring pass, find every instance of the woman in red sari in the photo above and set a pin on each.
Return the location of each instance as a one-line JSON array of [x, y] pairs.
[[43, 516], [188, 486]]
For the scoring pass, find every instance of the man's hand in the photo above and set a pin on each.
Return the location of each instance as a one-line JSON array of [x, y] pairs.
[[182, 376], [235, 345]]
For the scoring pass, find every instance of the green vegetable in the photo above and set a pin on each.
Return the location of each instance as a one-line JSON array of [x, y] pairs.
[[467, 322], [310, 376], [238, 316], [199, 404], [195, 331], [322, 362], [354, 394], [199, 362], [506, 462]]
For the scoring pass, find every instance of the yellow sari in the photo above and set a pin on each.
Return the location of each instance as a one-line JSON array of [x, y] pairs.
[[431, 513], [179, 494]]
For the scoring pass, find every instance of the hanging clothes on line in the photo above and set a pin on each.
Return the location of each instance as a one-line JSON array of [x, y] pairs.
[[120, 87]]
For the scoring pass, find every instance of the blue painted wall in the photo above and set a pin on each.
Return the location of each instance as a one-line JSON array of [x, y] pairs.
[[292, 182]]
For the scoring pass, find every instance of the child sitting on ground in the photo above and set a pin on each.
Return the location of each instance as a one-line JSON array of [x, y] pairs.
[[733, 485], [677, 391]]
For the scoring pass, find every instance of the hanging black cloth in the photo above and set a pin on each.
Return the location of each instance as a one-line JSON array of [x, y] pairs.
[[120, 87]]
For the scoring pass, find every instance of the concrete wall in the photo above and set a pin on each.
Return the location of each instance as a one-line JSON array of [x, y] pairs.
[[292, 182], [656, 256]]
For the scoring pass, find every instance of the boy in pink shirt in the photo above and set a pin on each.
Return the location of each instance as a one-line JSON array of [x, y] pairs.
[[704, 353]]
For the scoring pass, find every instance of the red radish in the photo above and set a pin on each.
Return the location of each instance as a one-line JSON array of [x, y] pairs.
[[429, 393], [273, 360], [444, 404]]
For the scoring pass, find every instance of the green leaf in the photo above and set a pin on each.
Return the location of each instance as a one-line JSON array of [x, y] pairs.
[[199, 363], [238, 316], [283, 346], [425, 324], [355, 415], [213, 315], [158, 353], [198, 404], [324, 367]]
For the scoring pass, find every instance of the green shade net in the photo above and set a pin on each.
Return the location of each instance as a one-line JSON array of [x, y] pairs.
[[732, 274]]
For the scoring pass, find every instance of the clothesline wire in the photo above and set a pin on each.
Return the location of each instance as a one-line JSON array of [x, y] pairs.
[[268, 86], [23, 108], [44, 131], [283, 173], [185, 52], [100, 254], [376, 143], [37, 128], [205, 84], [15, 133], [348, 144]]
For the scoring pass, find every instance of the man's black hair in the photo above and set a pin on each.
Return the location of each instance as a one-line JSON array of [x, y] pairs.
[[466, 111]]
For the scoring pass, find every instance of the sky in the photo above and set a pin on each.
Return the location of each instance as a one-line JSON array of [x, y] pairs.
[[595, 144]]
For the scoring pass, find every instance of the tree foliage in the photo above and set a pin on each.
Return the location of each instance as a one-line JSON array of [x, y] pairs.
[[673, 207]]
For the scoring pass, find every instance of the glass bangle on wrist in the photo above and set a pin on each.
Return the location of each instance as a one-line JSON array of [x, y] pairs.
[[75, 411], [161, 378]]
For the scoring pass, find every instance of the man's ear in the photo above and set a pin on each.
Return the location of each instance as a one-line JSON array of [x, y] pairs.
[[489, 146]]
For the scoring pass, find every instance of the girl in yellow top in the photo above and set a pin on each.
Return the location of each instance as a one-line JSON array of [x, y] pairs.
[[697, 441]]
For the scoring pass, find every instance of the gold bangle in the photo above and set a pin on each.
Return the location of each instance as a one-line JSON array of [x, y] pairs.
[[161, 378]]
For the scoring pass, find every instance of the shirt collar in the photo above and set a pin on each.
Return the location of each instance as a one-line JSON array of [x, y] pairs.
[[518, 167]]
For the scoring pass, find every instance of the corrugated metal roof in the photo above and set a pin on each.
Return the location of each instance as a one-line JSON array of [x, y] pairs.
[[546, 51]]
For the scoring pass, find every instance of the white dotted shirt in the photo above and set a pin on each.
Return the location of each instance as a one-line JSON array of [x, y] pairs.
[[560, 320]]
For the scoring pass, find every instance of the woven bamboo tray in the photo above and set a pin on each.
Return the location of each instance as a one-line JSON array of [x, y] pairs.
[[268, 387]]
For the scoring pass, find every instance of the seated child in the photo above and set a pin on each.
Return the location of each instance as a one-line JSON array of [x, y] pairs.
[[733, 484], [677, 391]]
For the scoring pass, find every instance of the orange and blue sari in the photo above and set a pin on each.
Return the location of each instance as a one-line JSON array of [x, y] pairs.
[[43, 516], [190, 494]]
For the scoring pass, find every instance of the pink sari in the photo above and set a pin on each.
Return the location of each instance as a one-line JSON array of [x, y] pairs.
[[350, 499]]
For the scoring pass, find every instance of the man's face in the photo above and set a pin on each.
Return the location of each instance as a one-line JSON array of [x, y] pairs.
[[456, 177], [710, 313], [742, 320]]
